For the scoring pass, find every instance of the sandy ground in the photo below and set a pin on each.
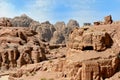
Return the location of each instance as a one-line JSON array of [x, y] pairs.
[[4, 78]]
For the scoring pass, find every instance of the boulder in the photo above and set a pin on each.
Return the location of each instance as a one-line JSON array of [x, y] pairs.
[[108, 19], [97, 23], [87, 24]]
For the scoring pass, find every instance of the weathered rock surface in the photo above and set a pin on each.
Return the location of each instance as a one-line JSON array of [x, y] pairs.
[[59, 26], [97, 23], [108, 20], [45, 30], [58, 38], [21, 21], [5, 22], [72, 23], [92, 52], [19, 46], [70, 27], [87, 64], [100, 69], [71, 70], [83, 39], [54, 34]]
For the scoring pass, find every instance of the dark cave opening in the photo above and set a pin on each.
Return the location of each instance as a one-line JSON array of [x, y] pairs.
[[88, 48]]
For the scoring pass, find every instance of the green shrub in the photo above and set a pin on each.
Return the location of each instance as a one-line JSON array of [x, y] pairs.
[[43, 79]]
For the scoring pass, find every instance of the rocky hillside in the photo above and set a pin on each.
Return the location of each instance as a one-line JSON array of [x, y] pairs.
[[52, 33], [19, 46], [43, 51]]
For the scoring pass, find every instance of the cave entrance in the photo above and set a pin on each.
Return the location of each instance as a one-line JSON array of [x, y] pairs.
[[88, 48]]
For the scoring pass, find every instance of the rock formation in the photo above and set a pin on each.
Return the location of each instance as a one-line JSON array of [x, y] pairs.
[[59, 26], [5, 22], [58, 33], [70, 27], [44, 51], [92, 70], [108, 19], [19, 46], [21, 21], [82, 39], [72, 23], [45, 30], [92, 54], [97, 23], [58, 38]]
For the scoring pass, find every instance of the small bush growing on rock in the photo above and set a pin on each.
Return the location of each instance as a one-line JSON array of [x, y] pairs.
[[43, 79], [33, 73], [50, 61], [104, 30], [27, 73]]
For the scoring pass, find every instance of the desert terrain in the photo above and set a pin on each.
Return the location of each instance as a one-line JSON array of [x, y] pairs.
[[30, 50]]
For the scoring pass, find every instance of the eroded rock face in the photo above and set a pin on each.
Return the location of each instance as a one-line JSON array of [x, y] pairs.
[[54, 34], [59, 26], [90, 71], [5, 22], [92, 53], [81, 39], [45, 31], [9, 56], [108, 19], [34, 25], [21, 21], [58, 38], [101, 69], [72, 23], [97, 23], [19, 46], [85, 70], [88, 57]]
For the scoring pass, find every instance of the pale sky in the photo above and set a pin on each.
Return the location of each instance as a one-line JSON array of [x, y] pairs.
[[61, 10]]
